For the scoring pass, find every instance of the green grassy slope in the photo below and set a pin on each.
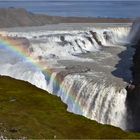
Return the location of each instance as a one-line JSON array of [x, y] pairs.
[[26, 111]]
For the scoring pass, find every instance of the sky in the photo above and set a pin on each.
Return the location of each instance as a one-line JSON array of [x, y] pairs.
[[93, 8]]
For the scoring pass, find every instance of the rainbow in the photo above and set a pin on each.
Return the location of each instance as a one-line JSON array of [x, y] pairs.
[[14, 46]]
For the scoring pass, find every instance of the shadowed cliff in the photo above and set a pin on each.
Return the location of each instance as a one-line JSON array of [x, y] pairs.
[[133, 96]]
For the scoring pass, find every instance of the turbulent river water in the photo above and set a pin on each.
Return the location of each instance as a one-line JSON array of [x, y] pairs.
[[89, 67]]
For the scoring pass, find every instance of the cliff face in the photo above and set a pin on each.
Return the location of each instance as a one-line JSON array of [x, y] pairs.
[[14, 17], [133, 96]]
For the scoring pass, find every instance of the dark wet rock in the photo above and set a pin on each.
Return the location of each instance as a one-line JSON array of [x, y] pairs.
[[106, 36], [70, 43], [130, 88], [100, 43], [76, 41], [53, 56], [62, 38], [94, 35], [40, 58], [64, 42], [14, 130], [89, 39], [83, 42], [35, 37]]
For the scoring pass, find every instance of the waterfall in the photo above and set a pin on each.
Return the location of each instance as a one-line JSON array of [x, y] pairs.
[[97, 101], [50, 84], [95, 98], [71, 43]]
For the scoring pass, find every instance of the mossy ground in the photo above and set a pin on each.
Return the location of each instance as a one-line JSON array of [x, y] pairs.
[[26, 111]]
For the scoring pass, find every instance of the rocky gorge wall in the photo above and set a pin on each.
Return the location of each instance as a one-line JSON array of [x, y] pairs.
[[133, 90]]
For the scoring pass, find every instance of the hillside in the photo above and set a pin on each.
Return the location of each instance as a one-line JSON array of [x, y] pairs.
[[14, 17], [29, 112]]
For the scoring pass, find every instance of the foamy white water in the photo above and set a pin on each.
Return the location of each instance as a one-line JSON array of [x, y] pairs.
[[98, 101], [47, 44]]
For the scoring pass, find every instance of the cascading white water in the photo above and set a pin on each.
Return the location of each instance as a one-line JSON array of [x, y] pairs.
[[114, 36], [95, 100], [47, 44], [51, 82]]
